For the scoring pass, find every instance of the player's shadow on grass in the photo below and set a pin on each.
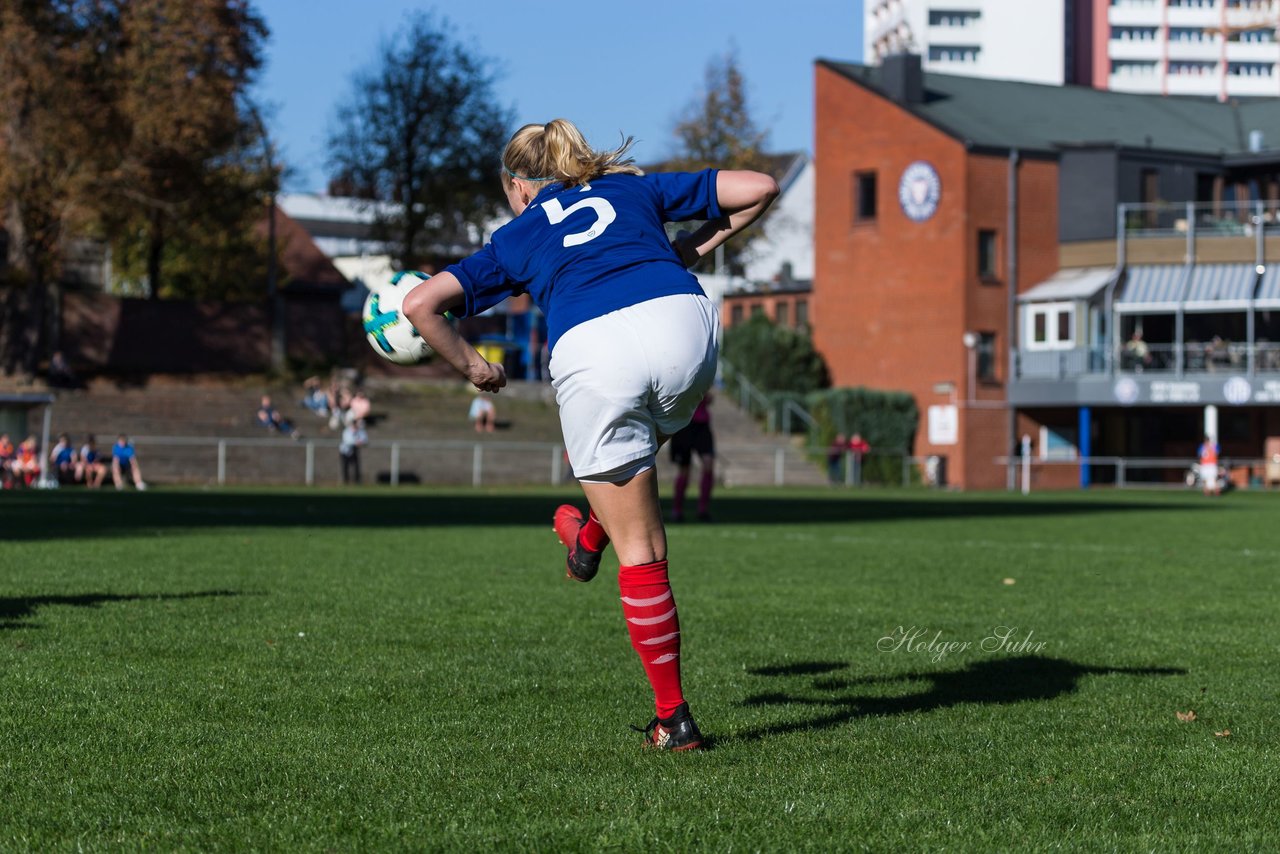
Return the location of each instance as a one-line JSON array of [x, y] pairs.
[[66, 514], [14, 611], [995, 681]]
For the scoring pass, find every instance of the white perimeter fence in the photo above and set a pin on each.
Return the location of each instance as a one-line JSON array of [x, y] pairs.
[[214, 460]]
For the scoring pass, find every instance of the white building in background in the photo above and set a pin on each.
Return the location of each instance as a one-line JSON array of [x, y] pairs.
[[1004, 39], [1210, 48], [1217, 48]]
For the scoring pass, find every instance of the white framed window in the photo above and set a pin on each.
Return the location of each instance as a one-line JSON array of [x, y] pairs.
[[1050, 326], [1058, 443]]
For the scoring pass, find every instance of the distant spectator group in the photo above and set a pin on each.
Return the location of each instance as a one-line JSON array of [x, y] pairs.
[[345, 407], [21, 466], [853, 449], [339, 403]]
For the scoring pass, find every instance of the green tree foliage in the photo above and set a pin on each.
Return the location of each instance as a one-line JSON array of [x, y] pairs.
[[422, 129], [887, 420], [774, 358]]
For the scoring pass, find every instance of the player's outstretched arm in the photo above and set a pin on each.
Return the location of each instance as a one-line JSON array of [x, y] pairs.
[[743, 197], [425, 306]]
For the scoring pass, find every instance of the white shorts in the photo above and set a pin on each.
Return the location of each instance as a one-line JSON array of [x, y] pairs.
[[625, 379], [1209, 474]]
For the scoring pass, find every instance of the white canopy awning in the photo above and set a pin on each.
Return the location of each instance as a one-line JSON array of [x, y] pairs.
[[1070, 283]]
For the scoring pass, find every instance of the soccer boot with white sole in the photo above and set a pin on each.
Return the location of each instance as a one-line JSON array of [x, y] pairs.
[[678, 732], [582, 564]]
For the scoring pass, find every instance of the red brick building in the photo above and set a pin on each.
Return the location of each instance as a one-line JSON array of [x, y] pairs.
[[783, 304], [944, 204]]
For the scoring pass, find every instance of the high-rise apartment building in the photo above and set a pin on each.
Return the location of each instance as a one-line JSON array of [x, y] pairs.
[[976, 38], [1212, 48], [1217, 48]]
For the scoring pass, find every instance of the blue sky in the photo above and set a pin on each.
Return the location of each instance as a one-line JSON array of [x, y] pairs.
[[611, 67]]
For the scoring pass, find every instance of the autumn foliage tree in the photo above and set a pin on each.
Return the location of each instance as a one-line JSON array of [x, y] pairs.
[[123, 120], [717, 129], [52, 116], [186, 175], [422, 129]]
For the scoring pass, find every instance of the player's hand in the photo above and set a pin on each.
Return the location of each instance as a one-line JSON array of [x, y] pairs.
[[487, 376], [681, 244]]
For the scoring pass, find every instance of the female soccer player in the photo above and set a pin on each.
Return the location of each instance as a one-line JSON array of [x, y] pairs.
[[633, 349]]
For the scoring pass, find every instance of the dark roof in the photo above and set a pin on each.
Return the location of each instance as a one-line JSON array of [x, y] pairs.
[[303, 264], [1006, 114]]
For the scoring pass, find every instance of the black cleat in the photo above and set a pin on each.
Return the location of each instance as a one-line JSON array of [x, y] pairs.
[[582, 564], [678, 732]]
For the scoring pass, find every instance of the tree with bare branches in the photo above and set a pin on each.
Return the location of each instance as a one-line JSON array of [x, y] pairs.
[[422, 129]]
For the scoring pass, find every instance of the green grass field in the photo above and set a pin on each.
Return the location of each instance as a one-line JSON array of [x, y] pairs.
[[383, 670]]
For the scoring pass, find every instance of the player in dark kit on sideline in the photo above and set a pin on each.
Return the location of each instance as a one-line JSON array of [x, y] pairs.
[[695, 438], [633, 349]]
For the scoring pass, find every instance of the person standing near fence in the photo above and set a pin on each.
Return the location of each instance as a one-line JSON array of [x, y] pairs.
[[633, 343], [858, 450], [695, 438], [1207, 454], [354, 438]]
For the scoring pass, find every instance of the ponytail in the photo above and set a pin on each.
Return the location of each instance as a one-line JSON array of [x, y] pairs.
[[557, 151]]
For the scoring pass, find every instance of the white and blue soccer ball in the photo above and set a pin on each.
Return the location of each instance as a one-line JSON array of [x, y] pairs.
[[390, 333]]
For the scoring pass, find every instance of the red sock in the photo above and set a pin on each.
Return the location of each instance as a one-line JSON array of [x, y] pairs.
[[677, 500], [650, 609], [704, 491], [592, 535]]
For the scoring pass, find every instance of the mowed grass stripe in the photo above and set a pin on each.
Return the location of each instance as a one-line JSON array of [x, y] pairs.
[[407, 670]]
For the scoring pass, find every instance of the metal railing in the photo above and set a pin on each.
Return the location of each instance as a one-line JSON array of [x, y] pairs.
[[1201, 219], [778, 411], [1197, 357], [223, 461], [1143, 472]]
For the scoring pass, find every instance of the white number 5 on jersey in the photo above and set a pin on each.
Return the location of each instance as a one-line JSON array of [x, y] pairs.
[[605, 214]]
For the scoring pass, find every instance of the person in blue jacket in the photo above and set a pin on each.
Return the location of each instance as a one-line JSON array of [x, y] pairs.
[[633, 342]]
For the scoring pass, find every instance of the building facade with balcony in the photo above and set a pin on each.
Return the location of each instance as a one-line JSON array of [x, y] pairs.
[[982, 38], [1213, 48], [1099, 271], [1209, 48]]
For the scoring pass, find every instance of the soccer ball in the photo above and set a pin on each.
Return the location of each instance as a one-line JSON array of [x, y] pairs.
[[390, 333]]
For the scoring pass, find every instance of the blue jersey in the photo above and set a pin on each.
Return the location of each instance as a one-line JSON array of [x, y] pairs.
[[582, 252], [123, 453]]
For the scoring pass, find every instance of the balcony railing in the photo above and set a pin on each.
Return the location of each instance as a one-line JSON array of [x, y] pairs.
[[1204, 219], [1197, 358]]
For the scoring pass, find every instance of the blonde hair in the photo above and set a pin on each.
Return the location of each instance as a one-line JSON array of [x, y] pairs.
[[557, 151]]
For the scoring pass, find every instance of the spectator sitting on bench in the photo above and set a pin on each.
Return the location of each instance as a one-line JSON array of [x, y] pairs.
[[62, 460], [90, 468], [270, 418], [124, 461], [6, 460], [26, 465], [358, 408], [315, 398]]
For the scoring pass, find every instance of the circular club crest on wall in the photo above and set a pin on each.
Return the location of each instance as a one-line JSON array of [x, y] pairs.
[[919, 191]]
